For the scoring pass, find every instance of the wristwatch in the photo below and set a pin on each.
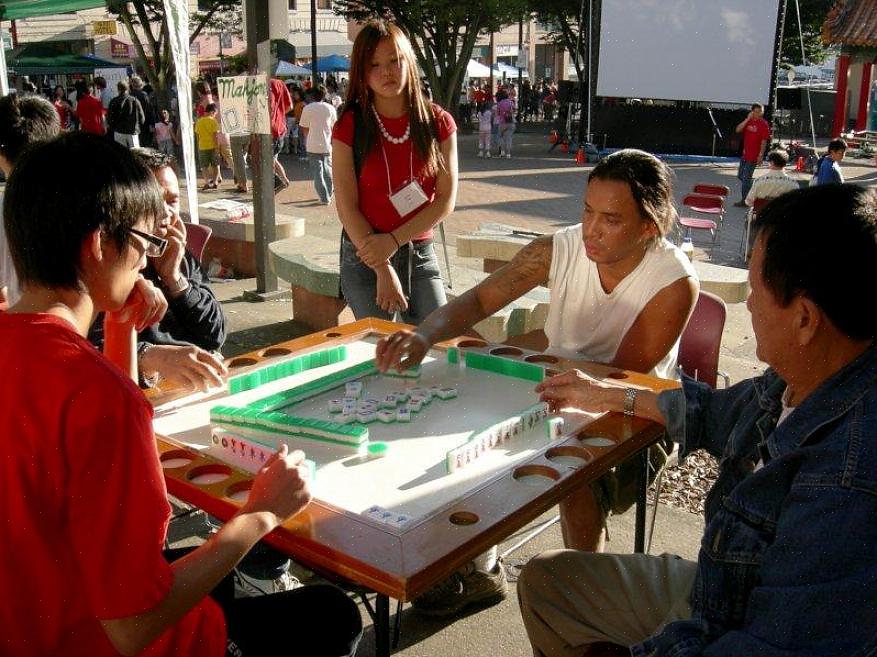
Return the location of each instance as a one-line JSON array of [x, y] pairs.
[[145, 380], [630, 401], [180, 285]]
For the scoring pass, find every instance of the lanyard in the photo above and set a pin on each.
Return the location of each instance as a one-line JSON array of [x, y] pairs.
[[387, 166]]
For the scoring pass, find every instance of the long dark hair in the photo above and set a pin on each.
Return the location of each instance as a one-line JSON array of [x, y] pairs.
[[359, 98]]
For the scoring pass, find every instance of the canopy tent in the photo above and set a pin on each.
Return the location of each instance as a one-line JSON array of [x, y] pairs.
[[477, 70], [509, 71], [331, 64], [285, 68], [15, 9], [36, 59]]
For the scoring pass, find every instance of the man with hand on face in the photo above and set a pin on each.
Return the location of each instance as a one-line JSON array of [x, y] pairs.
[[184, 345]]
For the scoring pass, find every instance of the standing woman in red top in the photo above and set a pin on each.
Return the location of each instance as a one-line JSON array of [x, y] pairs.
[[395, 174]]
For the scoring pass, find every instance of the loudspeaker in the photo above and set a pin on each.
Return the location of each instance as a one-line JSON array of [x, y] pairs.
[[567, 91], [789, 98]]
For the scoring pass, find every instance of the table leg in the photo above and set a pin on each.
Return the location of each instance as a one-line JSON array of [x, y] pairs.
[[382, 626], [642, 482]]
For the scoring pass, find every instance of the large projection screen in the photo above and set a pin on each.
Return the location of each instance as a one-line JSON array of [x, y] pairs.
[[717, 51]]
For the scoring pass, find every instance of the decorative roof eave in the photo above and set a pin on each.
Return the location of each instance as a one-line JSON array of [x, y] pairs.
[[851, 24]]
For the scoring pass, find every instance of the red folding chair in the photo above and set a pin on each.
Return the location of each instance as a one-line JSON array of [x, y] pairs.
[[713, 190], [196, 239], [707, 204], [698, 357]]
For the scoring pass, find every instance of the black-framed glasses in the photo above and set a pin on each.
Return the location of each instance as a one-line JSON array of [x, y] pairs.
[[155, 245]]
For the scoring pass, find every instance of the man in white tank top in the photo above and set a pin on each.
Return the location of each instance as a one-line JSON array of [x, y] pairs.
[[621, 294]]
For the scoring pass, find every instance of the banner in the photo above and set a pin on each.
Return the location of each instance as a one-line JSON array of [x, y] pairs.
[[243, 105], [177, 16]]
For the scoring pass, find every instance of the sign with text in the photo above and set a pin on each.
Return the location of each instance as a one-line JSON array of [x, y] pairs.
[[104, 28], [119, 49], [243, 104], [113, 76]]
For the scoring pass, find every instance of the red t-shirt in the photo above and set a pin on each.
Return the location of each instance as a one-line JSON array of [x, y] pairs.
[[374, 194], [64, 111], [754, 132], [83, 504], [279, 103], [90, 113]]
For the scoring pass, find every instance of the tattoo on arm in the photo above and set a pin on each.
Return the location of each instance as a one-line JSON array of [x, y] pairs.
[[528, 269]]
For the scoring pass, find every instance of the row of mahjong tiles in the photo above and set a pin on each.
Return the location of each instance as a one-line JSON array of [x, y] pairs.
[[412, 478]]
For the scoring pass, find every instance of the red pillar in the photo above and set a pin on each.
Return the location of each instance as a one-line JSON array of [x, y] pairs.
[[840, 101], [864, 97]]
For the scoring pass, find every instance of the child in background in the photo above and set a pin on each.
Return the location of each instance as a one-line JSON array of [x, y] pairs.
[[164, 133], [485, 126], [206, 128]]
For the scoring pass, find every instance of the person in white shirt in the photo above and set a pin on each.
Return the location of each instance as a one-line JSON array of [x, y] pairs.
[[621, 294], [775, 182], [317, 119]]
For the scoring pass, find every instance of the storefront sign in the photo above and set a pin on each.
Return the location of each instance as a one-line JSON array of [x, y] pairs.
[[105, 28], [119, 49]]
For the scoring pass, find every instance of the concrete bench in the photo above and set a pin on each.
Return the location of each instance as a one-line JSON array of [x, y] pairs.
[[234, 241], [310, 266], [496, 244]]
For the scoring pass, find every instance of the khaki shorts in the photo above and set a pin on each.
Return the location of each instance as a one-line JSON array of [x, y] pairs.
[[571, 599]]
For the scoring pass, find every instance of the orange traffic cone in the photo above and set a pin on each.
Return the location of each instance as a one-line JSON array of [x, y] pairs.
[[552, 137], [580, 156], [799, 164]]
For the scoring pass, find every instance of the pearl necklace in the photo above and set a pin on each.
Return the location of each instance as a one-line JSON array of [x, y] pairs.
[[390, 138]]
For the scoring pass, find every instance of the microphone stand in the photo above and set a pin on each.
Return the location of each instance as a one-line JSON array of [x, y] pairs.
[[717, 133]]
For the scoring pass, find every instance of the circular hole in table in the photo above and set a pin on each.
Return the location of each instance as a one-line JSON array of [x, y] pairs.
[[276, 351], [242, 362], [240, 491], [212, 473], [616, 375], [542, 358], [538, 476], [176, 458], [471, 344], [506, 351], [569, 456], [463, 518], [597, 441], [333, 334]]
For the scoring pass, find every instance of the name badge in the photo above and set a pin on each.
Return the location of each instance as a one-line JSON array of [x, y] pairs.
[[409, 198]]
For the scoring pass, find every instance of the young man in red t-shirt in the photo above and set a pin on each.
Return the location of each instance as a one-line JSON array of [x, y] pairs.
[[756, 135], [84, 506], [90, 113]]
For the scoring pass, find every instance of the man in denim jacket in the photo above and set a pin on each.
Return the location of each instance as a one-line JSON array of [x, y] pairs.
[[788, 561]]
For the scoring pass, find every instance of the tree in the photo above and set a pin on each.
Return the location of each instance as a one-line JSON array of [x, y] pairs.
[[813, 13], [152, 41], [442, 32]]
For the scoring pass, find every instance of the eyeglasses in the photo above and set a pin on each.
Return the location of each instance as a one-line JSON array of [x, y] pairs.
[[155, 245]]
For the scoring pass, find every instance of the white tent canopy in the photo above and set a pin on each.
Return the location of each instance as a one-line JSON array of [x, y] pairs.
[[509, 71], [477, 70]]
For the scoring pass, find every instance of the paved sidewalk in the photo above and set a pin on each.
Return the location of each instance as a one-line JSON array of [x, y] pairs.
[[536, 191]]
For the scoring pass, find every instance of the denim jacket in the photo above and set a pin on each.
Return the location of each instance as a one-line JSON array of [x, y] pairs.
[[788, 560]]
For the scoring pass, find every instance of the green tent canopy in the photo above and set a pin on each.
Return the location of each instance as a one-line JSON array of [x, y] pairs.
[[36, 59], [13, 9]]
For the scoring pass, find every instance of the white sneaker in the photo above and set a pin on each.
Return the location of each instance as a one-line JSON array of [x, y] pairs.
[[488, 156], [480, 153], [250, 587], [508, 156]]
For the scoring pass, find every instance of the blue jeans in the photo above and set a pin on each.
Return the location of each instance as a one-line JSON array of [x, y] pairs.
[[745, 173], [321, 166], [422, 282]]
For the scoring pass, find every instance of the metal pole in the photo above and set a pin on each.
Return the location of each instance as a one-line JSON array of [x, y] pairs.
[[590, 50], [314, 77], [520, 71], [262, 155], [490, 63], [804, 61]]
